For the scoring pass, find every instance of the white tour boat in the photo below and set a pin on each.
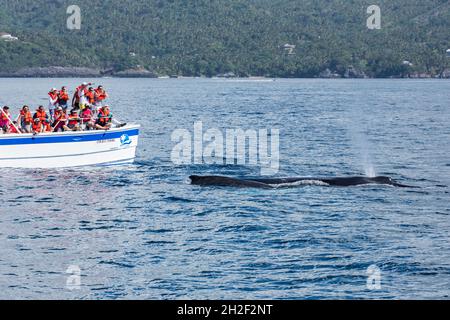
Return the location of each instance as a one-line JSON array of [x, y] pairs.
[[70, 149]]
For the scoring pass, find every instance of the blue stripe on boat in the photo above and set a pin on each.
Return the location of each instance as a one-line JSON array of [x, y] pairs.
[[64, 156], [68, 138]]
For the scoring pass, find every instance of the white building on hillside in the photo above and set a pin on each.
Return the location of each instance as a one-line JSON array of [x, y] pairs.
[[7, 37], [289, 48]]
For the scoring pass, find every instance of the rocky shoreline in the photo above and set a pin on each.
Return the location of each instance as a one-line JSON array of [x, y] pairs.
[[75, 72], [84, 72]]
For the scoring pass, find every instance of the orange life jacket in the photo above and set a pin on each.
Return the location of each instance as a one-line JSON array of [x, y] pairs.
[[63, 96], [37, 126], [60, 116], [12, 129], [47, 127], [74, 120], [101, 94], [53, 96], [90, 96], [41, 115], [104, 118], [26, 117], [4, 116]]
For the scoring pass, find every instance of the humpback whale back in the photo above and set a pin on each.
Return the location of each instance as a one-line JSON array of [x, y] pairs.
[[227, 182], [221, 181]]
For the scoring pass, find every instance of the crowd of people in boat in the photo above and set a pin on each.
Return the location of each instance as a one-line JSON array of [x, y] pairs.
[[88, 112]]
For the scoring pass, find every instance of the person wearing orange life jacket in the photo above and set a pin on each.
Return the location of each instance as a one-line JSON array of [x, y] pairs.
[[25, 120], [73, 122], [43, 118], [90, 96], [59, 124], [58, 112], [63, 98], [52, 101], [47, 127], [80, 100], [5, 119], [100, 96], [104, 119], [13, 127], [41, 126], [41, 114], [37, 126]]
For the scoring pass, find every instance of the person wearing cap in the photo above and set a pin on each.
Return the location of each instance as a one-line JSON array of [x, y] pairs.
[[100, 96], [5, 120], [52, 101], [104, 119]]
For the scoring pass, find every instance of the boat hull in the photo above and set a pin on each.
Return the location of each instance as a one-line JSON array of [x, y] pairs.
[[69, 149]]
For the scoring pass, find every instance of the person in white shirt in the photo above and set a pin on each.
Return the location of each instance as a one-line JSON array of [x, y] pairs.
[[52, 101], [83, 102], [79, 99]]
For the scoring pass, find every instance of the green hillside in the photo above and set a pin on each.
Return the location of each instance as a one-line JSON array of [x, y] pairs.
[[246, 37]]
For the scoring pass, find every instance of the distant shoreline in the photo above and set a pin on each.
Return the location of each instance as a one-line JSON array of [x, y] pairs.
[[140, 72], [265, 79]]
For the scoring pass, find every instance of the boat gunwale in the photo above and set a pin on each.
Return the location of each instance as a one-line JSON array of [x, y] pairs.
[[128, 127]]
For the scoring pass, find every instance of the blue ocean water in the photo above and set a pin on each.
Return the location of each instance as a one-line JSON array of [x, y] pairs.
[[143, 232]]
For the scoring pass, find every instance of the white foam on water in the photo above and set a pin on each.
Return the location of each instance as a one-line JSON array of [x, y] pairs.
[[300, 183]]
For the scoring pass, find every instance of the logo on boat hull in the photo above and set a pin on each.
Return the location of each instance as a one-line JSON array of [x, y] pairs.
[[125, 140]]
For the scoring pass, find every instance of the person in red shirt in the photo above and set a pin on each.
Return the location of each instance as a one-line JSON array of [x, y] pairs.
[[5, 119], [13, 127], [87, 119]]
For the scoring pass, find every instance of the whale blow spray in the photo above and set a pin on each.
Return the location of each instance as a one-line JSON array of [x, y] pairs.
[[361, 144]]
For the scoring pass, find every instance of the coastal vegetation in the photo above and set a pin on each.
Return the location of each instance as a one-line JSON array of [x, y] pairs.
[[275, 38]]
